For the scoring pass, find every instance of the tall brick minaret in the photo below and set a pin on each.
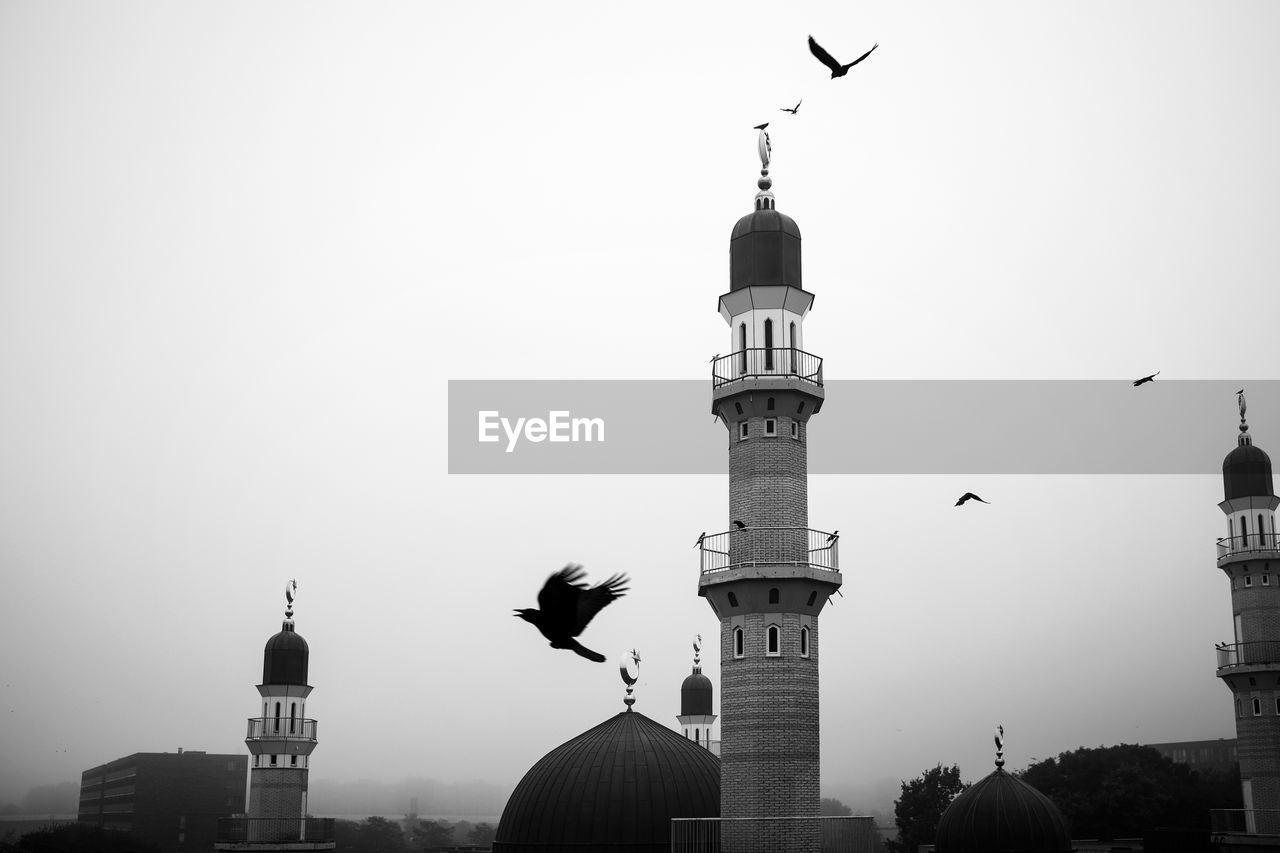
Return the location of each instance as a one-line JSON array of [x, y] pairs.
[[1250, 667], [282, 739], [768, 576]]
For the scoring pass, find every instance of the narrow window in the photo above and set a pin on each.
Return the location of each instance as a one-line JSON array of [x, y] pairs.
[[800, 408], [1244, 532], [773, 640], [733, 600], [794, 346], [738, 406], [277, 722], [1266, 580], [1278, 704], [1239, 712], [768, 344], [1261, 542], [293, 717], [804, 642], [771, 426], [813, 596], [795, 430], [293, 760], [737, 642], [1248, 580], [273, 761], [742, 345], [1257, 707], [773, 595], [769, 406], [697, 736], [742, 430]]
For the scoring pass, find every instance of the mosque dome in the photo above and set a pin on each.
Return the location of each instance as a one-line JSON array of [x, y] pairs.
[[614, 787], [1002, 814], [284, 661], [695, 695], [1246, 472], [764, 250]]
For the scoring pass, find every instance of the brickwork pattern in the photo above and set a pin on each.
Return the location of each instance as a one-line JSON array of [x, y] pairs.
[[277, 792], [769, 747], [769, 487], [1258, 737]]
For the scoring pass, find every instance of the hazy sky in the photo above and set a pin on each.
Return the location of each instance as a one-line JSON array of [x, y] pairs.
[[244, 247]]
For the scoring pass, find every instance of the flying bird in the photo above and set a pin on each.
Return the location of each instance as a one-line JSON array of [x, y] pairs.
[[793, 110], [566, 606], [762, 126], [970, 495], [739, 524], [1151, 378], [837, 70]]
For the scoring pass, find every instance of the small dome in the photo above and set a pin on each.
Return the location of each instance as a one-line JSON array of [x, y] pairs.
[[695, 694], [1002, 814], [615, 787], [1246, 472], [764, 250], [284, 661]]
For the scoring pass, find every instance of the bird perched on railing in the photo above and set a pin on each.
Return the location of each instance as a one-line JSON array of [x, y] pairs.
[[566, 606]]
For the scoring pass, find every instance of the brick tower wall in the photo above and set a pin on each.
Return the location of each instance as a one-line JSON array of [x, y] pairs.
[[277, 792], [769, 744]]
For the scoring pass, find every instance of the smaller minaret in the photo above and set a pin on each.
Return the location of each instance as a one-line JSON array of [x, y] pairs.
[[695, 704]]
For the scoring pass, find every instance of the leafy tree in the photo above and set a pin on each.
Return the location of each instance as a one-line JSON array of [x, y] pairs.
[[83, 838], [433, 833], [379, 835], [832, 806], [481, 833], [1123, 791], [923, 800]]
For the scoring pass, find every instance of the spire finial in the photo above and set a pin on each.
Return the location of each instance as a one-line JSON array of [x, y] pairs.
[[697, 654], [999, 746], [629, 679], [289, 589], [1245, 438], [764, 198]]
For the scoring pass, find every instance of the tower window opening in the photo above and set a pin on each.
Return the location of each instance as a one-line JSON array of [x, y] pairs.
[[804, 641], [1239, 710], [794, 346], [697, 736], [772, 647], [795, 430], [1257, 707], [738, 406], [1248, 581], [769, 406], [800, 408], [742, 345], [686, 734], [1261, 531], [813, 596], [273, 760], [293, 760], [1278, 704], [742, 430], [733, 599], [773, 595], [1266, 580], [737, 642], [293, 717], [1244, 531], [277, 719], [771, 426], [768, 344]]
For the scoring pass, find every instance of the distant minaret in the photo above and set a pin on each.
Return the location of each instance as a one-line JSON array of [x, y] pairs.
[[768, 577], [1250, 667], [282, 739], [695, 704]]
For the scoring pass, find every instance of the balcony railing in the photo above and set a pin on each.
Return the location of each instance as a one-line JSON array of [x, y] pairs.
[[761, 361], [1254, 543], [286, 728], [310, 831], [770, 546], [1245, 821], [1248, 654], [833, 834]]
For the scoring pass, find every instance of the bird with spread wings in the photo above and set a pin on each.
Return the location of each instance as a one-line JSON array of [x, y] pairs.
[[837, 69], [566, 606]]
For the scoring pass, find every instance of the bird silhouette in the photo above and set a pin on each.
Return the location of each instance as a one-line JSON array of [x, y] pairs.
[[834, 536], [970, 496], [713, 358], [762, 126], [740, 525], [793, 110], [837, 70], [1151, 378], [566, 606], [701, 536]]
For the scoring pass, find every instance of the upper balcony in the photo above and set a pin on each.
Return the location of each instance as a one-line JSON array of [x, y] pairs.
[[280, 736], [770, 546], [770, 362], [1255, 546], [1263, 654]]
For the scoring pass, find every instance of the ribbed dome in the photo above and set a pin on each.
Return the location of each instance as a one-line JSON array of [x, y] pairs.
[[1246, 472], [1002, 814], [614, 787], [764, 250], [695, 694], [285, 659]]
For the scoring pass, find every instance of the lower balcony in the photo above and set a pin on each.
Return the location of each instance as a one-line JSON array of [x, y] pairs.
[[266, 833], [770, 546], [1244, 821], [1262, 653]]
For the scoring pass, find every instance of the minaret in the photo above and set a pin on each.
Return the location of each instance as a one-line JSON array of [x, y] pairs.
[[1250, 667], [695, 704], [282, 739], [768, 576]]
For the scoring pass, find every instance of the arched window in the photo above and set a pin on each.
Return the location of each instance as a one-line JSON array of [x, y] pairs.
[[1261, 540], [697, 736], [794, 347], [737, 642], [277, 722], [1244, 532], [768, 344], [773, 595], [773, 640], [804, 641], [733, 600], [769, 406], [742, 344], [293, 717]]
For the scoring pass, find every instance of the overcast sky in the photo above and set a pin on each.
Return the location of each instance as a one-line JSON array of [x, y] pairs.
[[244, 247]]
